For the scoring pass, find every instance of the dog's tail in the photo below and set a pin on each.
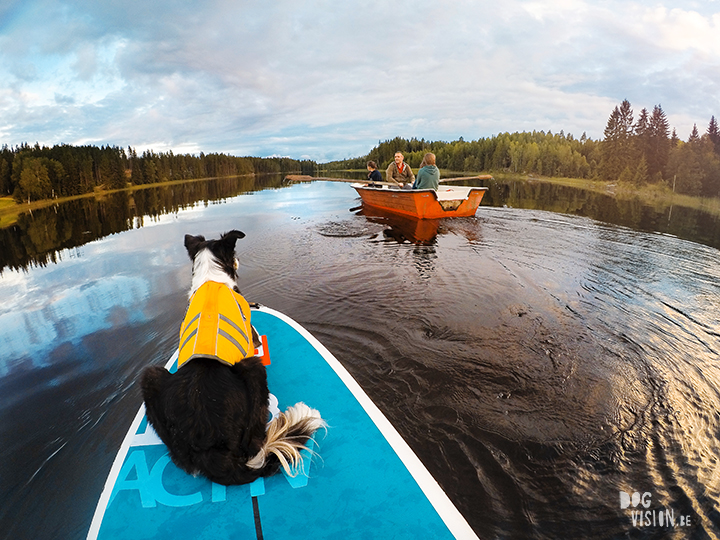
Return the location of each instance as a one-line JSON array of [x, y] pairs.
[[287, 434]]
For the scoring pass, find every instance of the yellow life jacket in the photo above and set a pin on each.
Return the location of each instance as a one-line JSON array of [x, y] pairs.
[[216, 325]]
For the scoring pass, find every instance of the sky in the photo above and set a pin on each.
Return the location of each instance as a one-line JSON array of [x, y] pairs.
[[327, 80]]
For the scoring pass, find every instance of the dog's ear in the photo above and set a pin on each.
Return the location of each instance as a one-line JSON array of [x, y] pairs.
[[229, 238], [192, 244]]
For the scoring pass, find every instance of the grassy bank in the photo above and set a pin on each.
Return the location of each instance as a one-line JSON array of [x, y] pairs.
[[658, 196]]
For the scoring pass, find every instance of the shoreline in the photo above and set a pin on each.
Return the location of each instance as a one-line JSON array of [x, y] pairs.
[[656, 195], [10, 209]]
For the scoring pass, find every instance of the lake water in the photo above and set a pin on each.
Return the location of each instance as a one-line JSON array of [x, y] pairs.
[[556, 349]]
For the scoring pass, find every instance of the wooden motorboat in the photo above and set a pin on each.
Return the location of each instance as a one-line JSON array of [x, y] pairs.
[[447, 201]]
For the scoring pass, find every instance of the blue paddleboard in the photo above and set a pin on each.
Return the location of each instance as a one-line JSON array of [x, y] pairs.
[[364, 481]]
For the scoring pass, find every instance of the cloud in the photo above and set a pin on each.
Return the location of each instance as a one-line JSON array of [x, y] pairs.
[[328, 80]]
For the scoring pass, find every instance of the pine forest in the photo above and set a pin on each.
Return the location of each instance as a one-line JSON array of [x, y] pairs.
[[635, 150]]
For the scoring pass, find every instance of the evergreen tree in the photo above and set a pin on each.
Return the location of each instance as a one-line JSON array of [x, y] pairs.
[[642, 136], [85, 175], [641, 173], [617, 148], [641, 128], [5, 183], [714, 133], [694, 135], [626, 117], [674, 139], [57, 176], [695, 166], [626, 176], [659, 141]]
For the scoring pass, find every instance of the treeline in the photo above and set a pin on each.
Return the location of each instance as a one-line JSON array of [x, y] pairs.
[[33, 172], [635, 151], [644, 150], [537, 152]]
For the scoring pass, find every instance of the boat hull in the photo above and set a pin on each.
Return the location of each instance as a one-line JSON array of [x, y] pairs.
[[447, 201]]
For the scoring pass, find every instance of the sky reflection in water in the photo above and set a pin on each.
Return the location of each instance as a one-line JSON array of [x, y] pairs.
[[537, 362]]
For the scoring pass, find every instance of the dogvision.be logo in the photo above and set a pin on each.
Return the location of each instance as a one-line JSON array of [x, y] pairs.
[[643, 515]]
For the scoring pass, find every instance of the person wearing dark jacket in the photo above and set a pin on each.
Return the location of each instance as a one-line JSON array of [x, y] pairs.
[[429, 175], [373, 173]]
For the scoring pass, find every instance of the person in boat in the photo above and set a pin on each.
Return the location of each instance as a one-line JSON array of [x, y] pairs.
[[429, 175], [373, 173], [399, 172]]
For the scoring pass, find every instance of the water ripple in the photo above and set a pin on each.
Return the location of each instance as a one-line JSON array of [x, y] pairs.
[[537, 363]]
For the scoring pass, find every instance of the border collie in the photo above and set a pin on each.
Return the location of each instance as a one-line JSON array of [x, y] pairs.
[[212, 414]]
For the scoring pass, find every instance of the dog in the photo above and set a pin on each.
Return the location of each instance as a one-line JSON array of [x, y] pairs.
[[212, 413]]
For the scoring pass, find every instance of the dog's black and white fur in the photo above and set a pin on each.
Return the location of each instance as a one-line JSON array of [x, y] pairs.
[[213, 417]]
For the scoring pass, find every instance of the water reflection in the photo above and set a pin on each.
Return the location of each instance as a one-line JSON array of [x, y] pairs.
[[37, 237], [67, 317], [403, 228], [686, 223]]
